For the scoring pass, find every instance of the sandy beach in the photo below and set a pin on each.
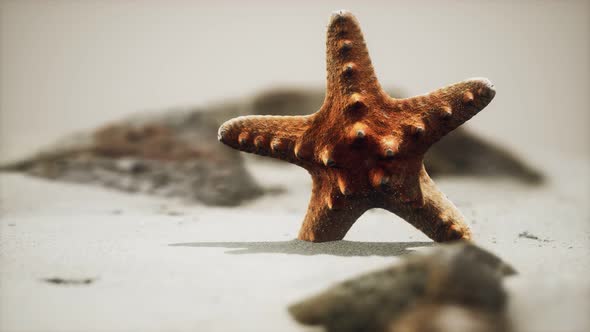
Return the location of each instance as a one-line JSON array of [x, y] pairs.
[[164, 265]]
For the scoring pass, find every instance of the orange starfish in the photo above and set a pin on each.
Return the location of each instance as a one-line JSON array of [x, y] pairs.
[[363, 148]]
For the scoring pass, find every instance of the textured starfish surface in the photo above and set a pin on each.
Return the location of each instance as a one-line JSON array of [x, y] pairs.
[[363, 148]]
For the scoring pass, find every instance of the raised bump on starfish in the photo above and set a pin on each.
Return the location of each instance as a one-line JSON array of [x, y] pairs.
[[363, 148]]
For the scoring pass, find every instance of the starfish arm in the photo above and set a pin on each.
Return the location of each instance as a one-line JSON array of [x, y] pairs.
[[441, 111], [349, 67], [438, 217], [266, 135], [329, 215]]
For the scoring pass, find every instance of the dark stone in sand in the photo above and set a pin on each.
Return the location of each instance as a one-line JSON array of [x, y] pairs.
[[456, 287], [64, 281], [528, 235]]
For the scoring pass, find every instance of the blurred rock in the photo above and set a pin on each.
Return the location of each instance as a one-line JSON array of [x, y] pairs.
[[461, 153], [455, 287], [175, 154]]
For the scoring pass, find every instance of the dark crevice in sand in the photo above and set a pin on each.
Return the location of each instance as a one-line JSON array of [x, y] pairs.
[[298, 247]]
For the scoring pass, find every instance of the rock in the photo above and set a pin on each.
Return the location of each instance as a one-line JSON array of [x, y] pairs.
[[173, 155], [463, 153], [456, 287]]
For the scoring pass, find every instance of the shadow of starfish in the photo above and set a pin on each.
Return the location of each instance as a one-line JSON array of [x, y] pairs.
[[298, 247]]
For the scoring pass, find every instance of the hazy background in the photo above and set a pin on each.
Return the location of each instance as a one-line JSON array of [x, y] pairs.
[[70, 65]]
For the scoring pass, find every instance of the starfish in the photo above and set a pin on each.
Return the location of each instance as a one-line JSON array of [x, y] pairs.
[[363, 148]]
